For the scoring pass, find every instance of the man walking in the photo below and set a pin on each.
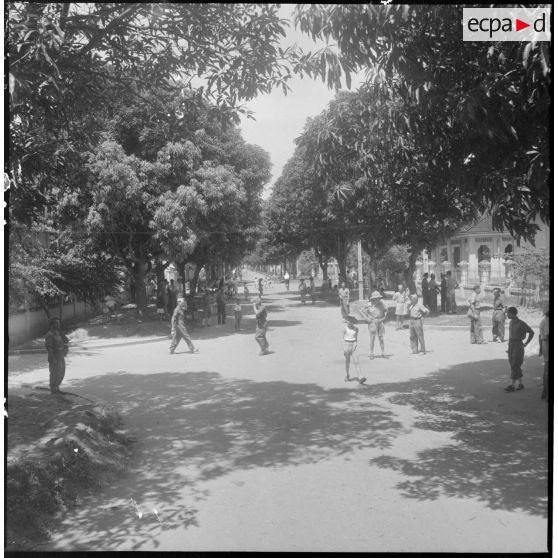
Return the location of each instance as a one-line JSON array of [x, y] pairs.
[[287, 278], [416, 313], [261, 327], [498, 317], [516, 348], [56, 344], [178, 328]]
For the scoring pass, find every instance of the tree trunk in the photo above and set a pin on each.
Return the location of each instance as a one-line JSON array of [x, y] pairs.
[[180, 264], [341, 256], [410, 270], [140, 272], [160, 274], [196, 278]]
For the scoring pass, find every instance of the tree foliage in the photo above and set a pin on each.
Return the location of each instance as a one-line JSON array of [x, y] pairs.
[[481, 110]]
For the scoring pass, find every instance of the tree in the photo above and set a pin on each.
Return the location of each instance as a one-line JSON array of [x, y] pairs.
[[396, 194], [493, 100]]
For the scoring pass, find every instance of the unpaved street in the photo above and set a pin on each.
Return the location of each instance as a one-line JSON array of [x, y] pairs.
[[241, 452]]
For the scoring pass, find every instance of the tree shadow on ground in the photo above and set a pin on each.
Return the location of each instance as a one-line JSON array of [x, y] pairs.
[[499, 450], [198, 426]]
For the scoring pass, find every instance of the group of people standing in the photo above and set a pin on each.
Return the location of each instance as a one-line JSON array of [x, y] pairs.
[[446, 290]]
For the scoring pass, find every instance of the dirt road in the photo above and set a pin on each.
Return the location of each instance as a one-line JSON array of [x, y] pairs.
[[247, 453]]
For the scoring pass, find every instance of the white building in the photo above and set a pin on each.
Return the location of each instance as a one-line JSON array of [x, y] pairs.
[[479, 254]]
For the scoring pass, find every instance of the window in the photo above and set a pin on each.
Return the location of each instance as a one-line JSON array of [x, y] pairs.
[[483, 253]]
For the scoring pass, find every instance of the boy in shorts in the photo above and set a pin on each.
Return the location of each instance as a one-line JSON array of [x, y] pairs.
[[350, 342]]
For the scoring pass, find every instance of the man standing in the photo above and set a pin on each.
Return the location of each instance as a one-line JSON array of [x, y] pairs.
[[375, 314], [178, 328], [451, 306], [261, 327], [221, 307], [56, 344], [416, 313], [312, 289], [344, 296], [498, 317], [474, 315], [287, 278], [302, 291], [516, 348]]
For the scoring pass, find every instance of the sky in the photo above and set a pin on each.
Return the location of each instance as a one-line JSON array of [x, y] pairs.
[[280, 119]]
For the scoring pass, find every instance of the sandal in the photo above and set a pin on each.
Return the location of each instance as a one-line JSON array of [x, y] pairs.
[[520, 386], [509, 388], [361, 380]]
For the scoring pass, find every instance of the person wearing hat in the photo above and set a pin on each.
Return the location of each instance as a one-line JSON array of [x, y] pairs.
[[416, 331], [544, 346], [178, 328], [375, 314], [516, 348], [350, 342], [498, 317], [56, 344]]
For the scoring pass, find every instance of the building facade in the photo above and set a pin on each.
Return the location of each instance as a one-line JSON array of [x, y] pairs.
[[479, 254]]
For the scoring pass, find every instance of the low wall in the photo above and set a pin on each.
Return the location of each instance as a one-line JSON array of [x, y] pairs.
[[27, 325]]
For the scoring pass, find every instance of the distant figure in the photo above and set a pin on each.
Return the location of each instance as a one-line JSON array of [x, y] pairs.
[[206, 308], [401, 300], [474, 316], [451, 306], [516, 348], [237, 314], [221, 307], [544, 346], [416, 313], [171, 297], [443, 294], [261, 327], [433, 291], [246, 291], [302, 291], [178, 328], [424, 290], [350, 342], [287, 278], [344, 296], [312, 290], [260, 286], [56, 344], [375, 314], [498, 317]]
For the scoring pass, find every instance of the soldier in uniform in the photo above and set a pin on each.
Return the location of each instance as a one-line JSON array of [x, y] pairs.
[[498, 317], [57, 347], [178, 328], [375, 314]]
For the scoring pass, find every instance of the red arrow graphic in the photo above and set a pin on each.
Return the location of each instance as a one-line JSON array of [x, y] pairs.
[[519, 25]]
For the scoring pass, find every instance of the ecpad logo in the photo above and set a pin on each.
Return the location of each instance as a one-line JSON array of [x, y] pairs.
[[506, 24]]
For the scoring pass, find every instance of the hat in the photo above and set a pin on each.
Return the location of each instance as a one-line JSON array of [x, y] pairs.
[[350, 319], [375, 294], [496, 289]]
